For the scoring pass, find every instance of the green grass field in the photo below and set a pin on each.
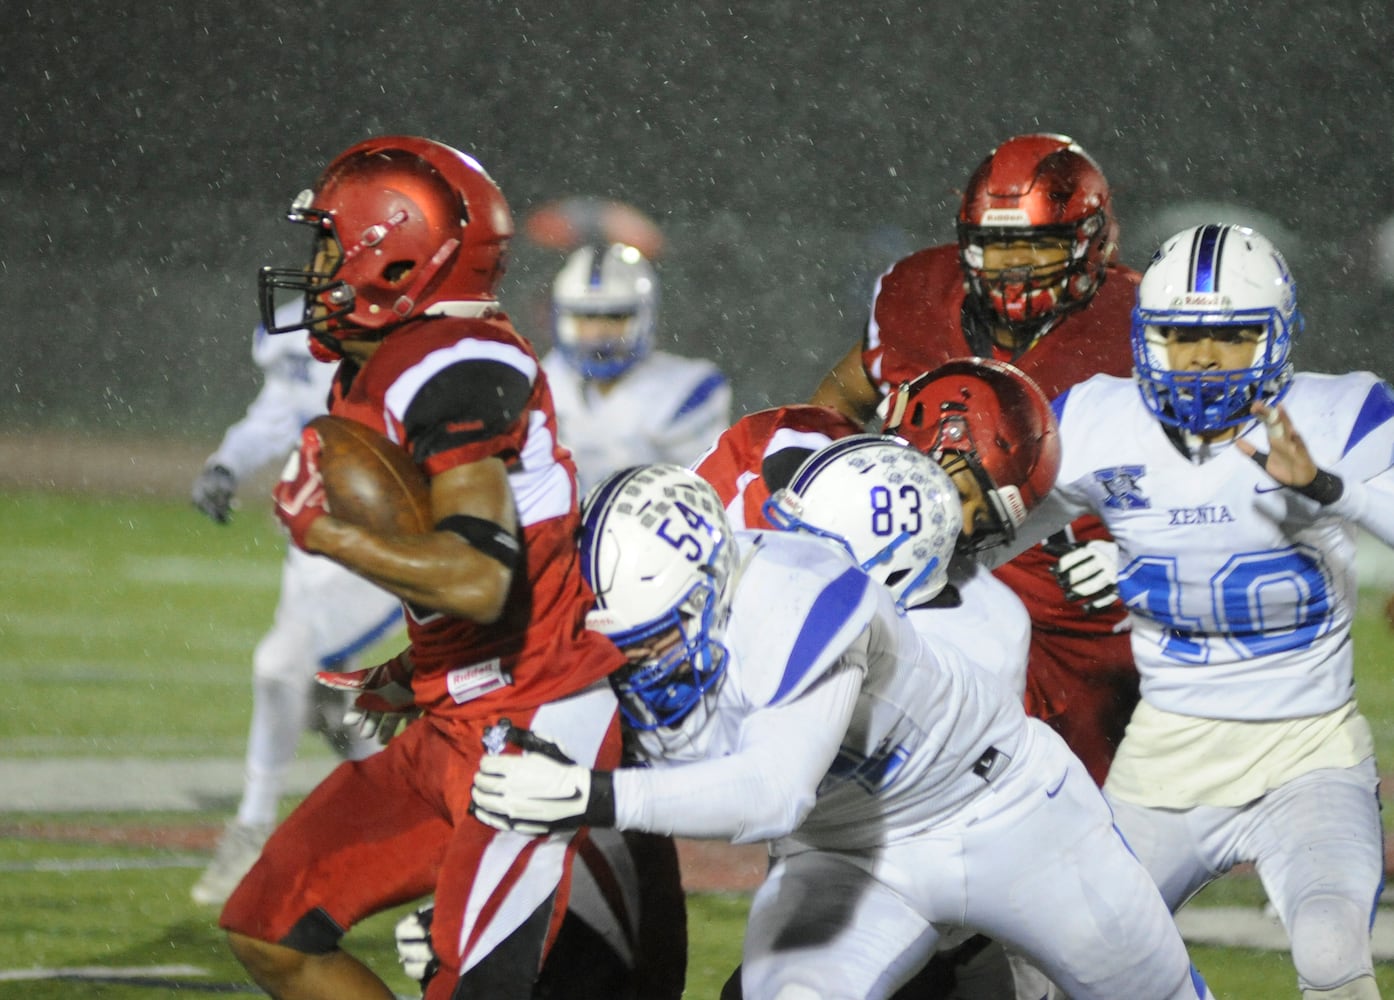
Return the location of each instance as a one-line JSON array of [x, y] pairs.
[[126, 630]]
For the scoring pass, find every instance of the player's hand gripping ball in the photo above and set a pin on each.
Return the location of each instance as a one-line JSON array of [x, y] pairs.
[[299, 495], [369, 480]]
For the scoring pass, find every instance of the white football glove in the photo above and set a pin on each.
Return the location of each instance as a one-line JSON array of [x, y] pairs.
[[1088, 574], [532, 793], [414, 949]]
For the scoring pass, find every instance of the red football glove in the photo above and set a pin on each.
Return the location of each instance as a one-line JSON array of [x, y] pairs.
[[385, 700], [299, 496]]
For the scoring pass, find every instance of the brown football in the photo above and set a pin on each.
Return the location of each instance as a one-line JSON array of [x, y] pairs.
[[370, 481]]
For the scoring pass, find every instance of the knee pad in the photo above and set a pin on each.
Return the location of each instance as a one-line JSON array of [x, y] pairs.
[[1363, 988], [1330, 944]]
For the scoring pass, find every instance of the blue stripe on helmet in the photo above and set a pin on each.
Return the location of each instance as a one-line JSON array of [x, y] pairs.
[[820, 459], [597, 507], [1205, 258], [597, 265]]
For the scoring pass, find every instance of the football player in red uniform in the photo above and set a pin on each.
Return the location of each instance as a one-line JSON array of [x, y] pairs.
[[760, 453], [1031, 281], [410, 240]]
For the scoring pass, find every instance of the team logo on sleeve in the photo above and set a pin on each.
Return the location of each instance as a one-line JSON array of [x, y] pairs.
[[1121, 487]]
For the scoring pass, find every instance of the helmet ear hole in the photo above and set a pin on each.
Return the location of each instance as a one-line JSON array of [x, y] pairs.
[[398, 271]]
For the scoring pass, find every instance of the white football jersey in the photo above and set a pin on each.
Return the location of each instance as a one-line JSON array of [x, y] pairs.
[[1241, 590], [295, 390], [927, 730], [663, 409], [984, 619]]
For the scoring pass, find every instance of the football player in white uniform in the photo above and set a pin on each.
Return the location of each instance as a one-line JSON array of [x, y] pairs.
[[620, 402], [325, 614], [1235, 516], [781, 695]]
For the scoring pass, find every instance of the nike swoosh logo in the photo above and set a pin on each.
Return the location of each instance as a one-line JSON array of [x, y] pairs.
[[1052, 792], [1269, 489]]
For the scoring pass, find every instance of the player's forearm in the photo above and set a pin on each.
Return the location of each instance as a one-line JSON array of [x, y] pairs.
[[723, 799], [763, 790], [438, 570], [848, 390]]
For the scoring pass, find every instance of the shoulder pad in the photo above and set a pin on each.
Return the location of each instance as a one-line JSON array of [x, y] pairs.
[[799, 603]]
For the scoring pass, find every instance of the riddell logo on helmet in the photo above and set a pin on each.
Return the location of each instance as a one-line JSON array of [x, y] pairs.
[[1005, 217], [1207, 300]]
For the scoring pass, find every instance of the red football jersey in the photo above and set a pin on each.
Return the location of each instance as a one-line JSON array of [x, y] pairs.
[[454, 391], [764, 448], [917, 324]]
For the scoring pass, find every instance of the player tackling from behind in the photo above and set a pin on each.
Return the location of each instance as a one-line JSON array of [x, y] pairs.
[[1234, 488], [410, 239], [779, 694]]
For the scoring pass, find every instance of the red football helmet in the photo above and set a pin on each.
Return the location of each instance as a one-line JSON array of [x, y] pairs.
[[418, 226], [1036, 189], [994, 417]]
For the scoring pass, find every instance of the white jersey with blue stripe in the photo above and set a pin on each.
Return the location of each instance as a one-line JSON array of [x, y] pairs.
[[1241, 590], [665, 408], [919, 719], [295, 390]]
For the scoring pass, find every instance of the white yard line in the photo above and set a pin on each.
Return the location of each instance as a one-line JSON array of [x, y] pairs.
[[99, 971], [135, 784]]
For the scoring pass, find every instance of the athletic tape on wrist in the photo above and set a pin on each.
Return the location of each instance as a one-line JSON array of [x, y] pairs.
[[486, 536], [1325, 488]]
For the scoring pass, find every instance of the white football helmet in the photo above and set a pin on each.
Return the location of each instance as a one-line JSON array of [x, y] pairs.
[[658, 552], [1222, 276], [614, 280], [888, 503]]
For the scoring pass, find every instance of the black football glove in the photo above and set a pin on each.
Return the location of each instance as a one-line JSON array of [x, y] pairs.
[[213, 492]]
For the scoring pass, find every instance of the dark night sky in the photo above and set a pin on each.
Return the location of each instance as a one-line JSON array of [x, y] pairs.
[[151, 156]]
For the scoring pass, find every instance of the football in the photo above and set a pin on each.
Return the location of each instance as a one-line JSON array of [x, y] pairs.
[[369, 480]]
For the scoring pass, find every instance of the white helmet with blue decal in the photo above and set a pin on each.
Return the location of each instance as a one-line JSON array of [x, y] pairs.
[[604, 309], [658, 551], [890, 504], [1214, 276]]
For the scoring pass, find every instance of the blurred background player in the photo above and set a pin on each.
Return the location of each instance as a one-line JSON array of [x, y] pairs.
[[619, 401], [324, 617], [1032, 281], [1235, 487]]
